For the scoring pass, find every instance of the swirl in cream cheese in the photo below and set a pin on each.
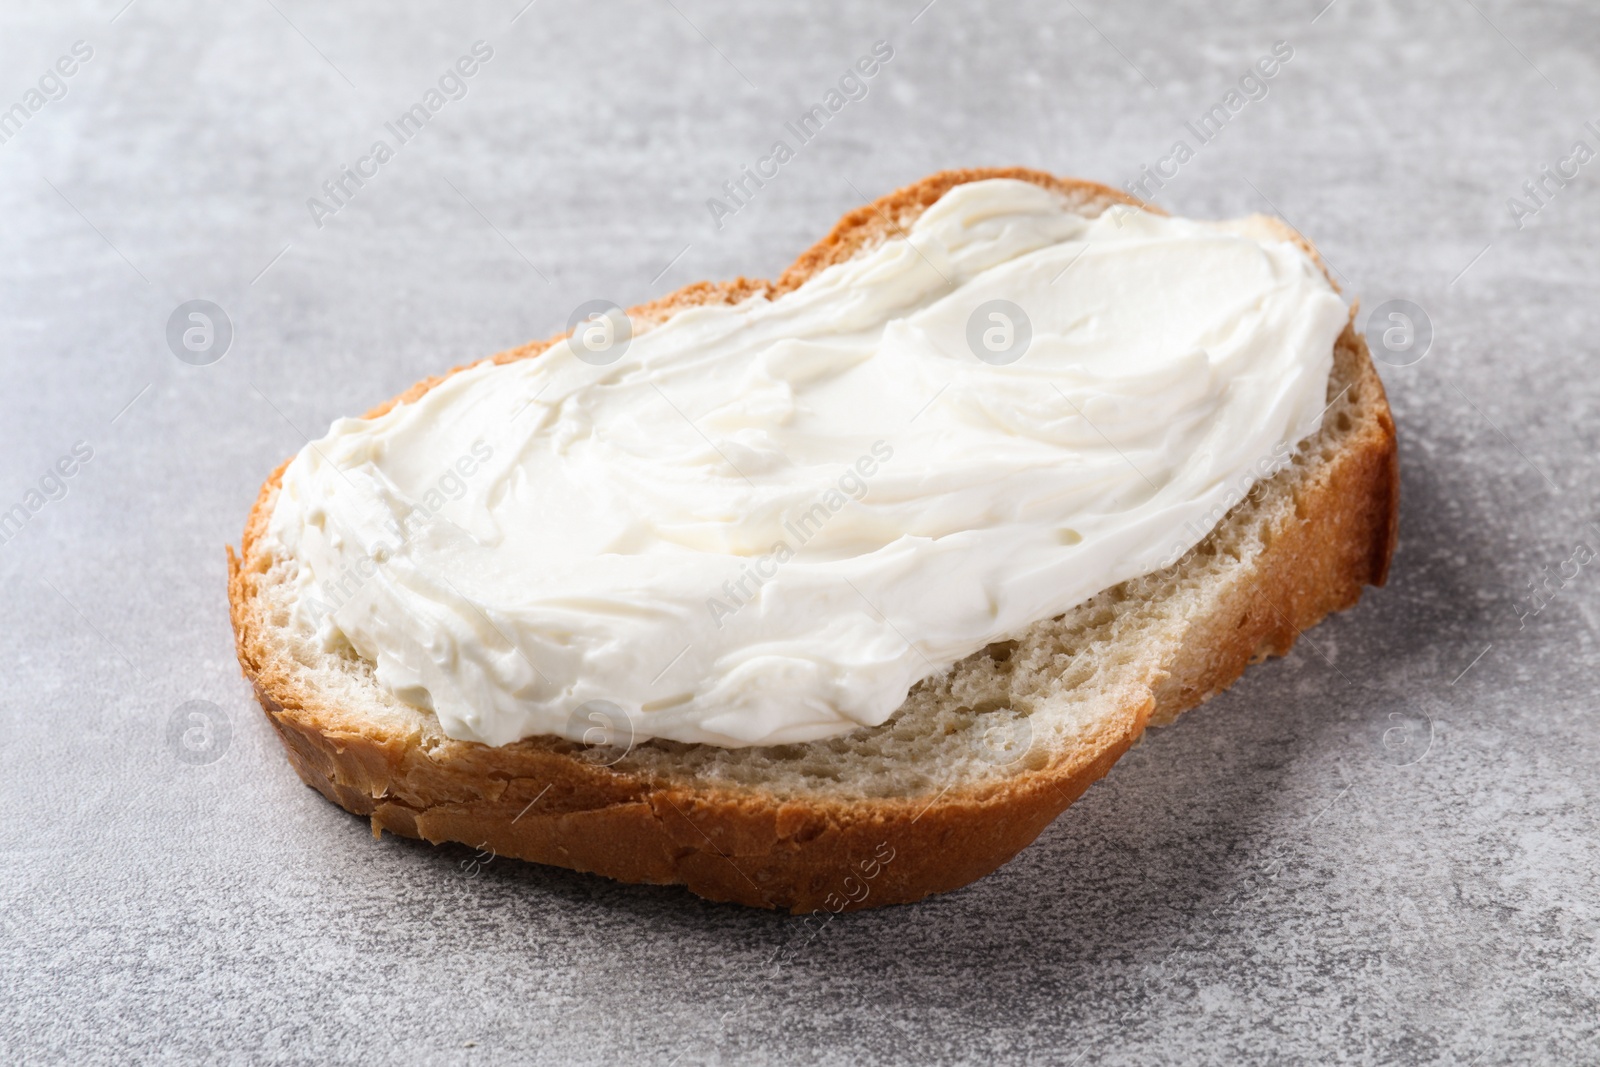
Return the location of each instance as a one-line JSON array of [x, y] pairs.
[[766, 522]]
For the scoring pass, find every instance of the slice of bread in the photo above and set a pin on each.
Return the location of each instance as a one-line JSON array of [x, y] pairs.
[[964, 775]]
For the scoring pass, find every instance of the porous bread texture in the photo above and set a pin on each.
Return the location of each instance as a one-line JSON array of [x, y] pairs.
[[968, 771]]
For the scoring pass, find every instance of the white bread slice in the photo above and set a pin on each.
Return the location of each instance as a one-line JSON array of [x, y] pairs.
[[964, 775]]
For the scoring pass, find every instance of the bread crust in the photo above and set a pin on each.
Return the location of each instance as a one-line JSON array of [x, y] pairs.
[[540, 799]]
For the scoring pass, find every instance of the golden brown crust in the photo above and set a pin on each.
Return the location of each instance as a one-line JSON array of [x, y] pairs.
[[1341, 538], [541, 800]]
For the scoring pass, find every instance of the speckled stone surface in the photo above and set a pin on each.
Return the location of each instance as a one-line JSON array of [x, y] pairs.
[[1379, 849]]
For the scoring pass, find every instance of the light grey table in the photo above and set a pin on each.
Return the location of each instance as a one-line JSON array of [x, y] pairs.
[[1381, 848]]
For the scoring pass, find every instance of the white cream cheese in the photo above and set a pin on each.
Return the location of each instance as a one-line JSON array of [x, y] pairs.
[[765, 523]]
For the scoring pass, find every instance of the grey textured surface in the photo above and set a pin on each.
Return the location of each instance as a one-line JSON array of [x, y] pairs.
[[1266, 880]]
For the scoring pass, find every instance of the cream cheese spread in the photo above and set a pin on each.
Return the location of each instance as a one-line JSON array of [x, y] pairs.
[[764, 523]]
